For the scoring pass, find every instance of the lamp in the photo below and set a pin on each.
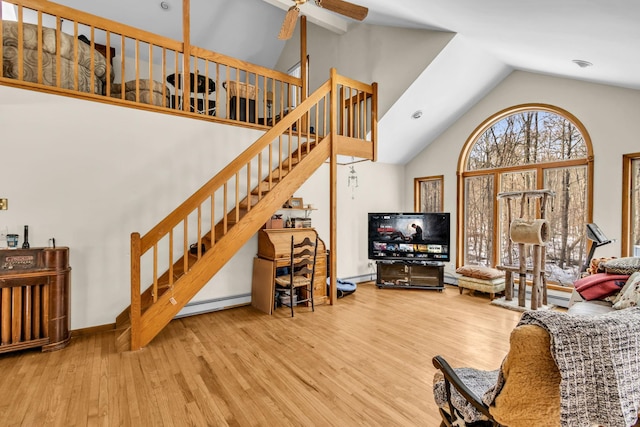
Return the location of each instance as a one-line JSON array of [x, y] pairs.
[[269, 103], [352, 180]]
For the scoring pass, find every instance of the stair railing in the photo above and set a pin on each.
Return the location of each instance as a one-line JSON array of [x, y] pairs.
[[236, 202], [54, 48]]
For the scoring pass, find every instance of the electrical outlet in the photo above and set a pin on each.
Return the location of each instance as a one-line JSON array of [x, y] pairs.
[[370, 264], [4, 204]]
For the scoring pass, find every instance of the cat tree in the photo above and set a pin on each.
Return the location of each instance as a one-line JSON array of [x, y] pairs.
[[532, 232]]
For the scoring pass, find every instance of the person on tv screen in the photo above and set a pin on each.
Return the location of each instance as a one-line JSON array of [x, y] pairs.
[[417, 236]]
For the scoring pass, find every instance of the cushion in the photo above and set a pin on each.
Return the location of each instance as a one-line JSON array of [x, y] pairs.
[[600, 285], [530, 395], [479, 272], [626, 265], [478, 381], [629, 296]]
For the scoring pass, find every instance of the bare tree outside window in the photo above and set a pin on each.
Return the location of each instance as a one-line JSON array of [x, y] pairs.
[[528, 147], [478, 220], [514, 181], [429, 194]]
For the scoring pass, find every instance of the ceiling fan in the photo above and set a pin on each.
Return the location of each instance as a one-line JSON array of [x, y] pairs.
[[339, 6]]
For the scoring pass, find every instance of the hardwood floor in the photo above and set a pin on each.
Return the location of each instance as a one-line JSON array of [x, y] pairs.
[[365, 361]]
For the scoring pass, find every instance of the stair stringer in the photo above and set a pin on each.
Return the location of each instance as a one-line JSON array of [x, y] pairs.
[[156, 317]]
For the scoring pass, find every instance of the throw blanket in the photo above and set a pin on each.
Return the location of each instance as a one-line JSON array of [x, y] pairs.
[[599, 362]]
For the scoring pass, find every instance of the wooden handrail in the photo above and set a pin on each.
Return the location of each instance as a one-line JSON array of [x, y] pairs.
[[229, 171]]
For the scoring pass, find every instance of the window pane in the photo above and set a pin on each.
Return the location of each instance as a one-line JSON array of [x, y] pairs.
[[430, 195], [527, 138], [635, 207], [567, 215], [514, 181], [478, 221]]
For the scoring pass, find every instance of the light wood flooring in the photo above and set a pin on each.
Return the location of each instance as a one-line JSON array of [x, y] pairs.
[[364, 362]]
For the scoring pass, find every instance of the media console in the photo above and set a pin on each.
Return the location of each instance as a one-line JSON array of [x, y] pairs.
[[410, 274]]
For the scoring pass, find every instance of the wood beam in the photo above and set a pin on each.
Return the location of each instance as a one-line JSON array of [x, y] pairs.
[[333, 192]]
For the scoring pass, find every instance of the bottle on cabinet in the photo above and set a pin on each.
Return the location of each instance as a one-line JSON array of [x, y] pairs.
[[25, 244]]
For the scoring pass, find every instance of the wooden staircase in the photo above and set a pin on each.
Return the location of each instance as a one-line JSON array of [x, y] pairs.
[[291, 153]]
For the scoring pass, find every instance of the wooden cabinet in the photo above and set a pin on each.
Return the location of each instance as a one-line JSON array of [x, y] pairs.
[[410, 275], [274, 248], [35, 289]]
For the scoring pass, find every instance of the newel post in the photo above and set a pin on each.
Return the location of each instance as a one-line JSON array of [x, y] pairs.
[[186, 50], [136, 309], [333, 190], [374, 122]]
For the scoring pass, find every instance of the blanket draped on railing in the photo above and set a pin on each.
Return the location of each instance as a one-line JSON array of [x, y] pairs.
[[599, 362]]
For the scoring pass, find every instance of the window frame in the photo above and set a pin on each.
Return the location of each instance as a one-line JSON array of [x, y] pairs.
[[463, 173], [626, 242]]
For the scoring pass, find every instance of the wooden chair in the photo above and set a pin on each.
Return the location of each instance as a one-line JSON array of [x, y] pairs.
[[300, 276]]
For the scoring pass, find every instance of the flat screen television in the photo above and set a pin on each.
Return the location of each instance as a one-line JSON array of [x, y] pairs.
[[409, 236]]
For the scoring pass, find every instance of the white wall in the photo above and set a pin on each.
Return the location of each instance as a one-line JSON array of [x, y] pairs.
[[609, 114]]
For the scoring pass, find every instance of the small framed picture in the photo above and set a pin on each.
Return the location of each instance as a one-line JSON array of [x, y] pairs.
[[296, 203]]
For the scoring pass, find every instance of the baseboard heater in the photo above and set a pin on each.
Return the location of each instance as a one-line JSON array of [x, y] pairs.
[[216, 304], [359, 279]]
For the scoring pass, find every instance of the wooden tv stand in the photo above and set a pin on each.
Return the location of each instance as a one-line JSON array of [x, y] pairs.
[[410, 274]]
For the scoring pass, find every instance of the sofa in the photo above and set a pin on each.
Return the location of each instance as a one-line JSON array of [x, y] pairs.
[[149, 91], [49, 49]]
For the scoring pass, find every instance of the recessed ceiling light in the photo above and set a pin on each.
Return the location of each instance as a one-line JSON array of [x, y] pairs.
[[416, 115], [582, 63], [164, 5]]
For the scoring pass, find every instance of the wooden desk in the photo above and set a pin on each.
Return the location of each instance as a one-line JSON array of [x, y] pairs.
[[274, 249], [35, 290]]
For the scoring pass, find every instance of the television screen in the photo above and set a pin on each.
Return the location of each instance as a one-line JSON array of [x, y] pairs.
[[409, 236]]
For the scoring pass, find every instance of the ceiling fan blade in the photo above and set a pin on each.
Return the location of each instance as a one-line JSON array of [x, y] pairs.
[[344, 8], [289, 23]]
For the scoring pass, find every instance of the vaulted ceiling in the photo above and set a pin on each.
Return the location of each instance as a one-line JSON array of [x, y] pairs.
[[493, 37]]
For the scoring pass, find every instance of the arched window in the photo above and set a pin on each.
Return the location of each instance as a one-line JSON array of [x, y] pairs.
[[526, 147]]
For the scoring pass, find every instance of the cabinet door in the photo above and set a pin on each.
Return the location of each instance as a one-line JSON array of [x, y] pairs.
[[424, 275], [393, 272]]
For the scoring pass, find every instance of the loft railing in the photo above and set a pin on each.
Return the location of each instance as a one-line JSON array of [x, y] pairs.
[[223, 214], [50, 47]]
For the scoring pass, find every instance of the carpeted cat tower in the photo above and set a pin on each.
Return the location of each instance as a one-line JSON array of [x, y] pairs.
[[530, 232]]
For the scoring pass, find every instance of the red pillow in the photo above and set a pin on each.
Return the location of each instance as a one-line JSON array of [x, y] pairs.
[[600, 285]]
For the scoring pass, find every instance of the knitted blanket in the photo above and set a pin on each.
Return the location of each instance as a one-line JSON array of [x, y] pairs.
[[599, 362]]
